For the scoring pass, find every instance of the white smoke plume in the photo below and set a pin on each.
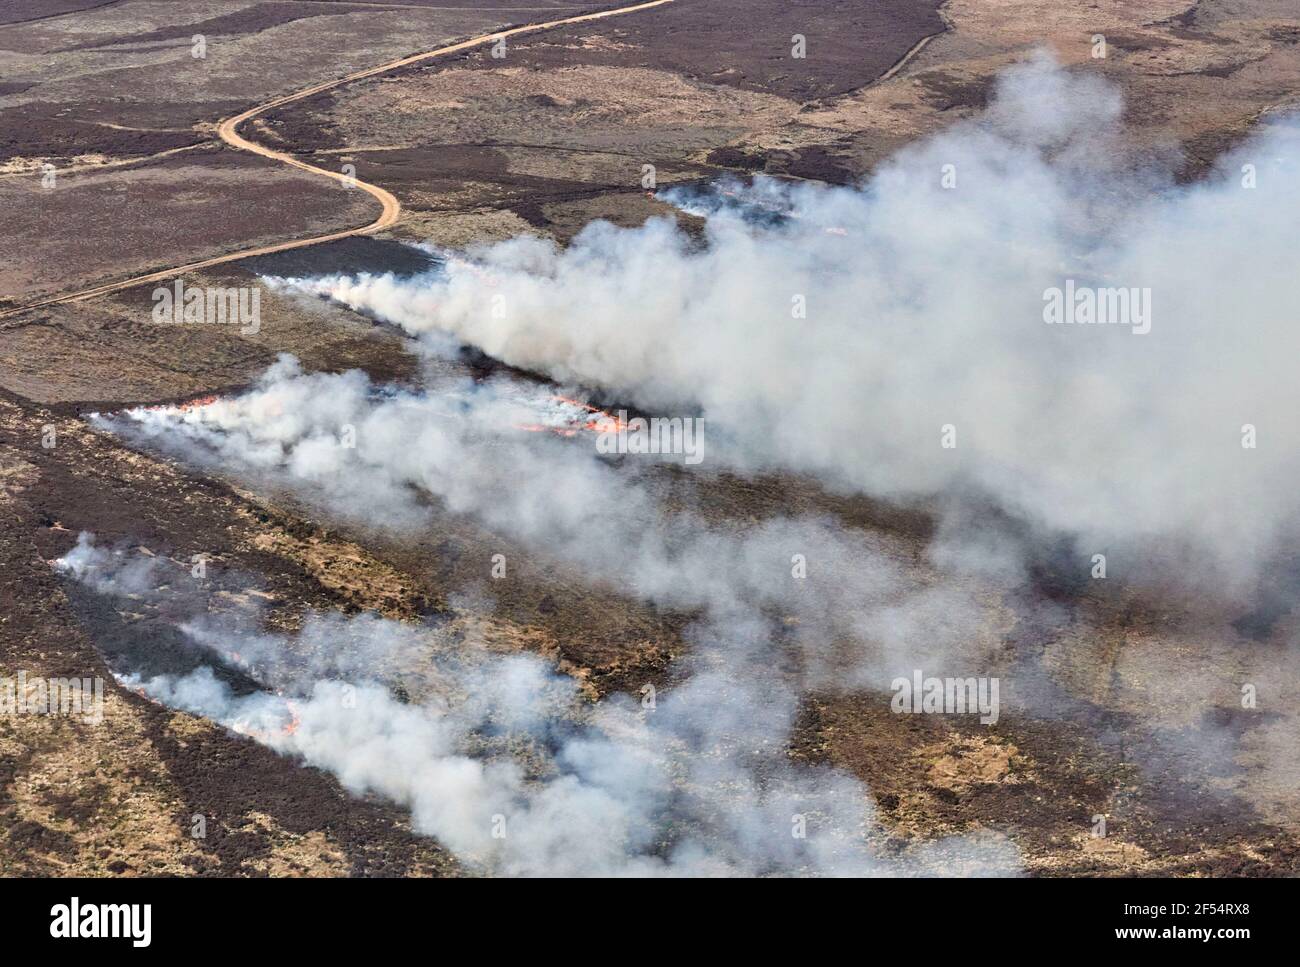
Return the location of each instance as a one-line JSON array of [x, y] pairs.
[[561, 500], [924, 293], [924, 309], [699, 785], [716, 743]]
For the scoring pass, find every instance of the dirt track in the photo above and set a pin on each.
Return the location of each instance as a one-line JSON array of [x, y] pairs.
[[391, 207]]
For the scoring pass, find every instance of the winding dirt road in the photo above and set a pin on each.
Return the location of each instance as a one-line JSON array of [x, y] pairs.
[[391, 207]]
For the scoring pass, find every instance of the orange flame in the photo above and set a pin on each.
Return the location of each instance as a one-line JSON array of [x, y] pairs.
[[193, 404], [599, 422]]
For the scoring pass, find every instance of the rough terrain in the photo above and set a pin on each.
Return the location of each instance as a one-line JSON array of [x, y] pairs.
[[554, 134]]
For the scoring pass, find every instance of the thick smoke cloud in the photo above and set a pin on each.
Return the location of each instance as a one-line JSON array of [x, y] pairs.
[[924, 292], [711, 759], [924, 309], [699, 785], [861, 617]]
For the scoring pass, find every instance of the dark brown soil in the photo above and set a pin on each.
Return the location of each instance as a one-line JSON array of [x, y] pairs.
[[65, 130], [28, 11], [262, 16], [361, 253], [217, 774], [743, 43]]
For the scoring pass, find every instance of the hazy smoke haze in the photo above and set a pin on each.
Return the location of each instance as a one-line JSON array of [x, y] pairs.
[[924, 308]]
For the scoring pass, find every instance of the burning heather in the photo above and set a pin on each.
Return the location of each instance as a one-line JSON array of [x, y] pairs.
[[563, 499], [695, 783], [891, 339], [909, 514], [552, 412], [1086, 437]]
